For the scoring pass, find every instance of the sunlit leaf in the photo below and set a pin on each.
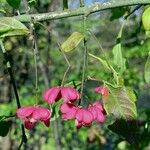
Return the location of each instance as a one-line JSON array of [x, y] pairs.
[[120, 102], [147, 33], [146, 19], [12, 27], [2, 11], [118, 59], [14, 3], [72, 42], [147, 70]]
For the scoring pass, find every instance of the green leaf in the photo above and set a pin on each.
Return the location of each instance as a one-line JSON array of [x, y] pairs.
[[14, 3], [146, 19], [72, 42], [32, 2], [2, 118], [2, 11], [118, 59], [147, 70], [147, 34], [65, 4], [106, 66], [120, 102], [4, 127], [116, 13], [55, 110], [12, 27], [102, 61]]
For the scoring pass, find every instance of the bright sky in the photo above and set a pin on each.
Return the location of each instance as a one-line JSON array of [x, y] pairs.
[[88, 2]]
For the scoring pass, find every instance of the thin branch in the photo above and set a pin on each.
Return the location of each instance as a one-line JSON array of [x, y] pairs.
[[24, 138], [67, 61], [99, 44], [135, 9], [103, 52], [68, 68], [85, 52], [84, 61], [64, 55], [35, 63], [81, 3], [80, 11], [40, 63], [44, 73], [36, 57], [20, 145], [11, 74], [54, 124]]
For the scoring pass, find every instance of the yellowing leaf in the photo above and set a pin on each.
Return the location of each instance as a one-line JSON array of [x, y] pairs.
[[72, 42], [121, 103], [12, 27], [146, 19]]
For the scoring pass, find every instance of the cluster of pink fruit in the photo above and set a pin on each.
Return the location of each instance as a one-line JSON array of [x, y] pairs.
[[83, 116]]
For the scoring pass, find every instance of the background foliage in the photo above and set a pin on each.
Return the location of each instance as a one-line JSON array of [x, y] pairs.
[[127, 55]]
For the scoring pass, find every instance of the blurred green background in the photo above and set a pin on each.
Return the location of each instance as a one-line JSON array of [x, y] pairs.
[[51, 68]]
